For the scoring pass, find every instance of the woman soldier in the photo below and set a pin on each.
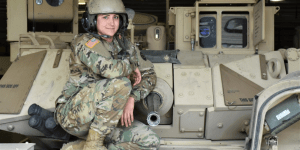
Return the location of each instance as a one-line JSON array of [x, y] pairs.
[[98, 90]]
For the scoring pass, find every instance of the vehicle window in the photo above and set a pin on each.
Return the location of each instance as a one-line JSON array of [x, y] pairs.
[[207, 32], [55, 2], [234, 31]]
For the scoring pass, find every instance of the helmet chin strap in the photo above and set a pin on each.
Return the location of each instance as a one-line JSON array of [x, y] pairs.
[[104, 36], [97, 35]]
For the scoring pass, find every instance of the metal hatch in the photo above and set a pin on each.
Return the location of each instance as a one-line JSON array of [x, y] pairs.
[[259, 22], [17, 81]]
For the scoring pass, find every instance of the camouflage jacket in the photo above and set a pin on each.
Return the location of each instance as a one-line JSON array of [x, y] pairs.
[[93, 59]]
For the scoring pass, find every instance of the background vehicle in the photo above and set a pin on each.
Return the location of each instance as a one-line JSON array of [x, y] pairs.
[[231, 89]]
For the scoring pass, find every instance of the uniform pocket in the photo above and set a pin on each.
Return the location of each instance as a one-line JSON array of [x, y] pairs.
[[105, 104]]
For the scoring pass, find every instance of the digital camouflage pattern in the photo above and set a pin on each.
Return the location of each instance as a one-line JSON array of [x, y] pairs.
[[136, 136], [98, 106], [97, 90], [89, 65], [102, 58], [147, 84]]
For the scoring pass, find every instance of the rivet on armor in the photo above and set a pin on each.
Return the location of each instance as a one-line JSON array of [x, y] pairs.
[[187, 36], [166, 58], [201, 113], [246, 123], [208, 97], [243, 130], [292, 54], [182, 130], [200, 135], [200, 129], [180, 111], [183, 74], [168, 76], [180, 95], [220, 125], [10, 127]]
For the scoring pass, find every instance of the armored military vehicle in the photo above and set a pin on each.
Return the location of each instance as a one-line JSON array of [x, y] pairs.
[[224, 86]]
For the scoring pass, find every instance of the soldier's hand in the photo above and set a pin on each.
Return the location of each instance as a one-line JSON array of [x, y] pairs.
[[137, 76], [127, 116]]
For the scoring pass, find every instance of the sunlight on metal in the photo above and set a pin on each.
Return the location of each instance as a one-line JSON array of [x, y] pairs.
[[276, 0], [81, 3]]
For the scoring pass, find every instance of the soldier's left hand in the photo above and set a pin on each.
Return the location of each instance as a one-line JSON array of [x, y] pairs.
[[127, 116]]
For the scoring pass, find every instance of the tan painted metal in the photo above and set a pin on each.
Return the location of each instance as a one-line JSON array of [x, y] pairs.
[[237, 90], [194, 85], [292, 55], [167, 22], [200, 116], [183, 29], [227, 125], [13, 82], [16, 20], [131, 27], [46, 12], [142, 21], [196, 144], [156, 38], [259, 22], [267, 93], [19, 15], [165, 72], [249, 68], [45, 89]]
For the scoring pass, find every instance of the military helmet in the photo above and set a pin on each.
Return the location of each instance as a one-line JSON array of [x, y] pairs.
[[106, 7], [95, 7]]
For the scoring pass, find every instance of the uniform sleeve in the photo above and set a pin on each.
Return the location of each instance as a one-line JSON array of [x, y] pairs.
[[105, 67], [132, 51], [147, 84]]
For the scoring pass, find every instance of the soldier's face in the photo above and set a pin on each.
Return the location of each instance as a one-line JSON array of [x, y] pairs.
[[107, 24]]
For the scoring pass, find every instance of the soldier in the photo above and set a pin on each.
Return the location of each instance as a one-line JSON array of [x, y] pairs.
[[93, 99]]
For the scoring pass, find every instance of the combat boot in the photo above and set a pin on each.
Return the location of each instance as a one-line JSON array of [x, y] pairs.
[[94, 141], [77, 145]]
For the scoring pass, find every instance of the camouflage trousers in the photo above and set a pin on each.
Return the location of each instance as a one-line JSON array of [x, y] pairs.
[[97, 106], [135, 137]]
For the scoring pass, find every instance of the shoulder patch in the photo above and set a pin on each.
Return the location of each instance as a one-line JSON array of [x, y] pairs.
[[92, 42]]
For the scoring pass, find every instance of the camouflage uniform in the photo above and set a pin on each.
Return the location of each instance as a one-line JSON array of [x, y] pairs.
[[97, 91], [136, 136]]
